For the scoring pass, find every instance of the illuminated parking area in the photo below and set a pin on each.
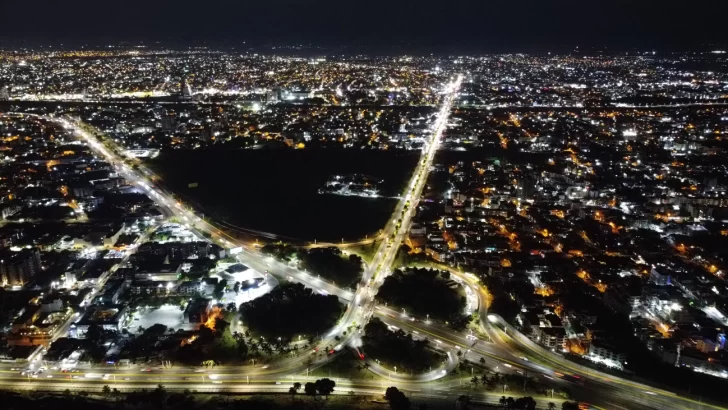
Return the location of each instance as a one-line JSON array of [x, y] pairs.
[[171, 316]]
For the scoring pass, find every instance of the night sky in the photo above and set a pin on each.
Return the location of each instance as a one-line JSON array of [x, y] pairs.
[[478, 25]]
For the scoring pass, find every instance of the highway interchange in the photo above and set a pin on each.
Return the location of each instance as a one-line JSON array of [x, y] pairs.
[[501, 346]]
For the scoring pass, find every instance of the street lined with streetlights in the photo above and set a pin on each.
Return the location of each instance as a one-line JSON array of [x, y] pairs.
[[511, 349]]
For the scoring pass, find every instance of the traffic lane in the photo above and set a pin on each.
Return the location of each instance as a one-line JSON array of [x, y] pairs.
[[637, 392], [343, 386], [531, 369], [446, 337], [237, 381], [285, 273]]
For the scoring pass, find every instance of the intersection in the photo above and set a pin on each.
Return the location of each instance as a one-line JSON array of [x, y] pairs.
[[505, 346]]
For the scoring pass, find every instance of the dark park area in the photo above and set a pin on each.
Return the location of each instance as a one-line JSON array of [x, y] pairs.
[[276, 191]]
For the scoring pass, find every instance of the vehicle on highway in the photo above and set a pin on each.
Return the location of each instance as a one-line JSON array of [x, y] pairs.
[[574, 378]]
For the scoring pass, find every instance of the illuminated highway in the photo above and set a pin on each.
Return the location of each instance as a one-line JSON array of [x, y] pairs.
[[507, 351]]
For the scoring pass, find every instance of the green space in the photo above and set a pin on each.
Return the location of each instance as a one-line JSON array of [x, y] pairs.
[[291, 310], [366, 251], [333, 265], [276, 191], [345, 365], [423, 292], [398, 349]]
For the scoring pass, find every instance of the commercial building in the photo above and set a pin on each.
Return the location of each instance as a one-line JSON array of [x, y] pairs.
[[111, 317]]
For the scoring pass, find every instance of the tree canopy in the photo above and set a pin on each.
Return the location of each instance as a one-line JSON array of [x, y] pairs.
[[423, 292], [397, 348], [332, 265], [289, 310], [397, 400]]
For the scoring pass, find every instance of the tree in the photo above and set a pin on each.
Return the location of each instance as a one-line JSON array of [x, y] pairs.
[[475, 381], [482, 361], [106, 390], [310, 389], [160, 394], [94, 334], [270, 315], [552, 405], [525, 403], [510, 402], [423, 292], [569, 405], [503, 401], [464, 401], [397, 400], [484, 380], [325, 387], [219, 290]]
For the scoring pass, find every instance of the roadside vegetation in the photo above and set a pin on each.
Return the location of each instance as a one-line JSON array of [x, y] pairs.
[[333, 265], [291, 310], [423, 293], [398, 349], [344, 269]]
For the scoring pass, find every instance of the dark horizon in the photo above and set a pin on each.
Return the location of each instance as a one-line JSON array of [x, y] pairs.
[[418, 27]]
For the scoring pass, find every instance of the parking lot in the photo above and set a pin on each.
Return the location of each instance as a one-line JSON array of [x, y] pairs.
[[168, 315]]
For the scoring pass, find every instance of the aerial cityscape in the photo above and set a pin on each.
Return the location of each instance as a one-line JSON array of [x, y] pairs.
[[287, 224]]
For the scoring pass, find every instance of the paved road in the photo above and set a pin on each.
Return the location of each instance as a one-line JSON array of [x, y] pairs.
[[509, 350], [360, 302]]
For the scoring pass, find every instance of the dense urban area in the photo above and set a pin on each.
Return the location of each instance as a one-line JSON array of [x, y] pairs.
[[526, 231]]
